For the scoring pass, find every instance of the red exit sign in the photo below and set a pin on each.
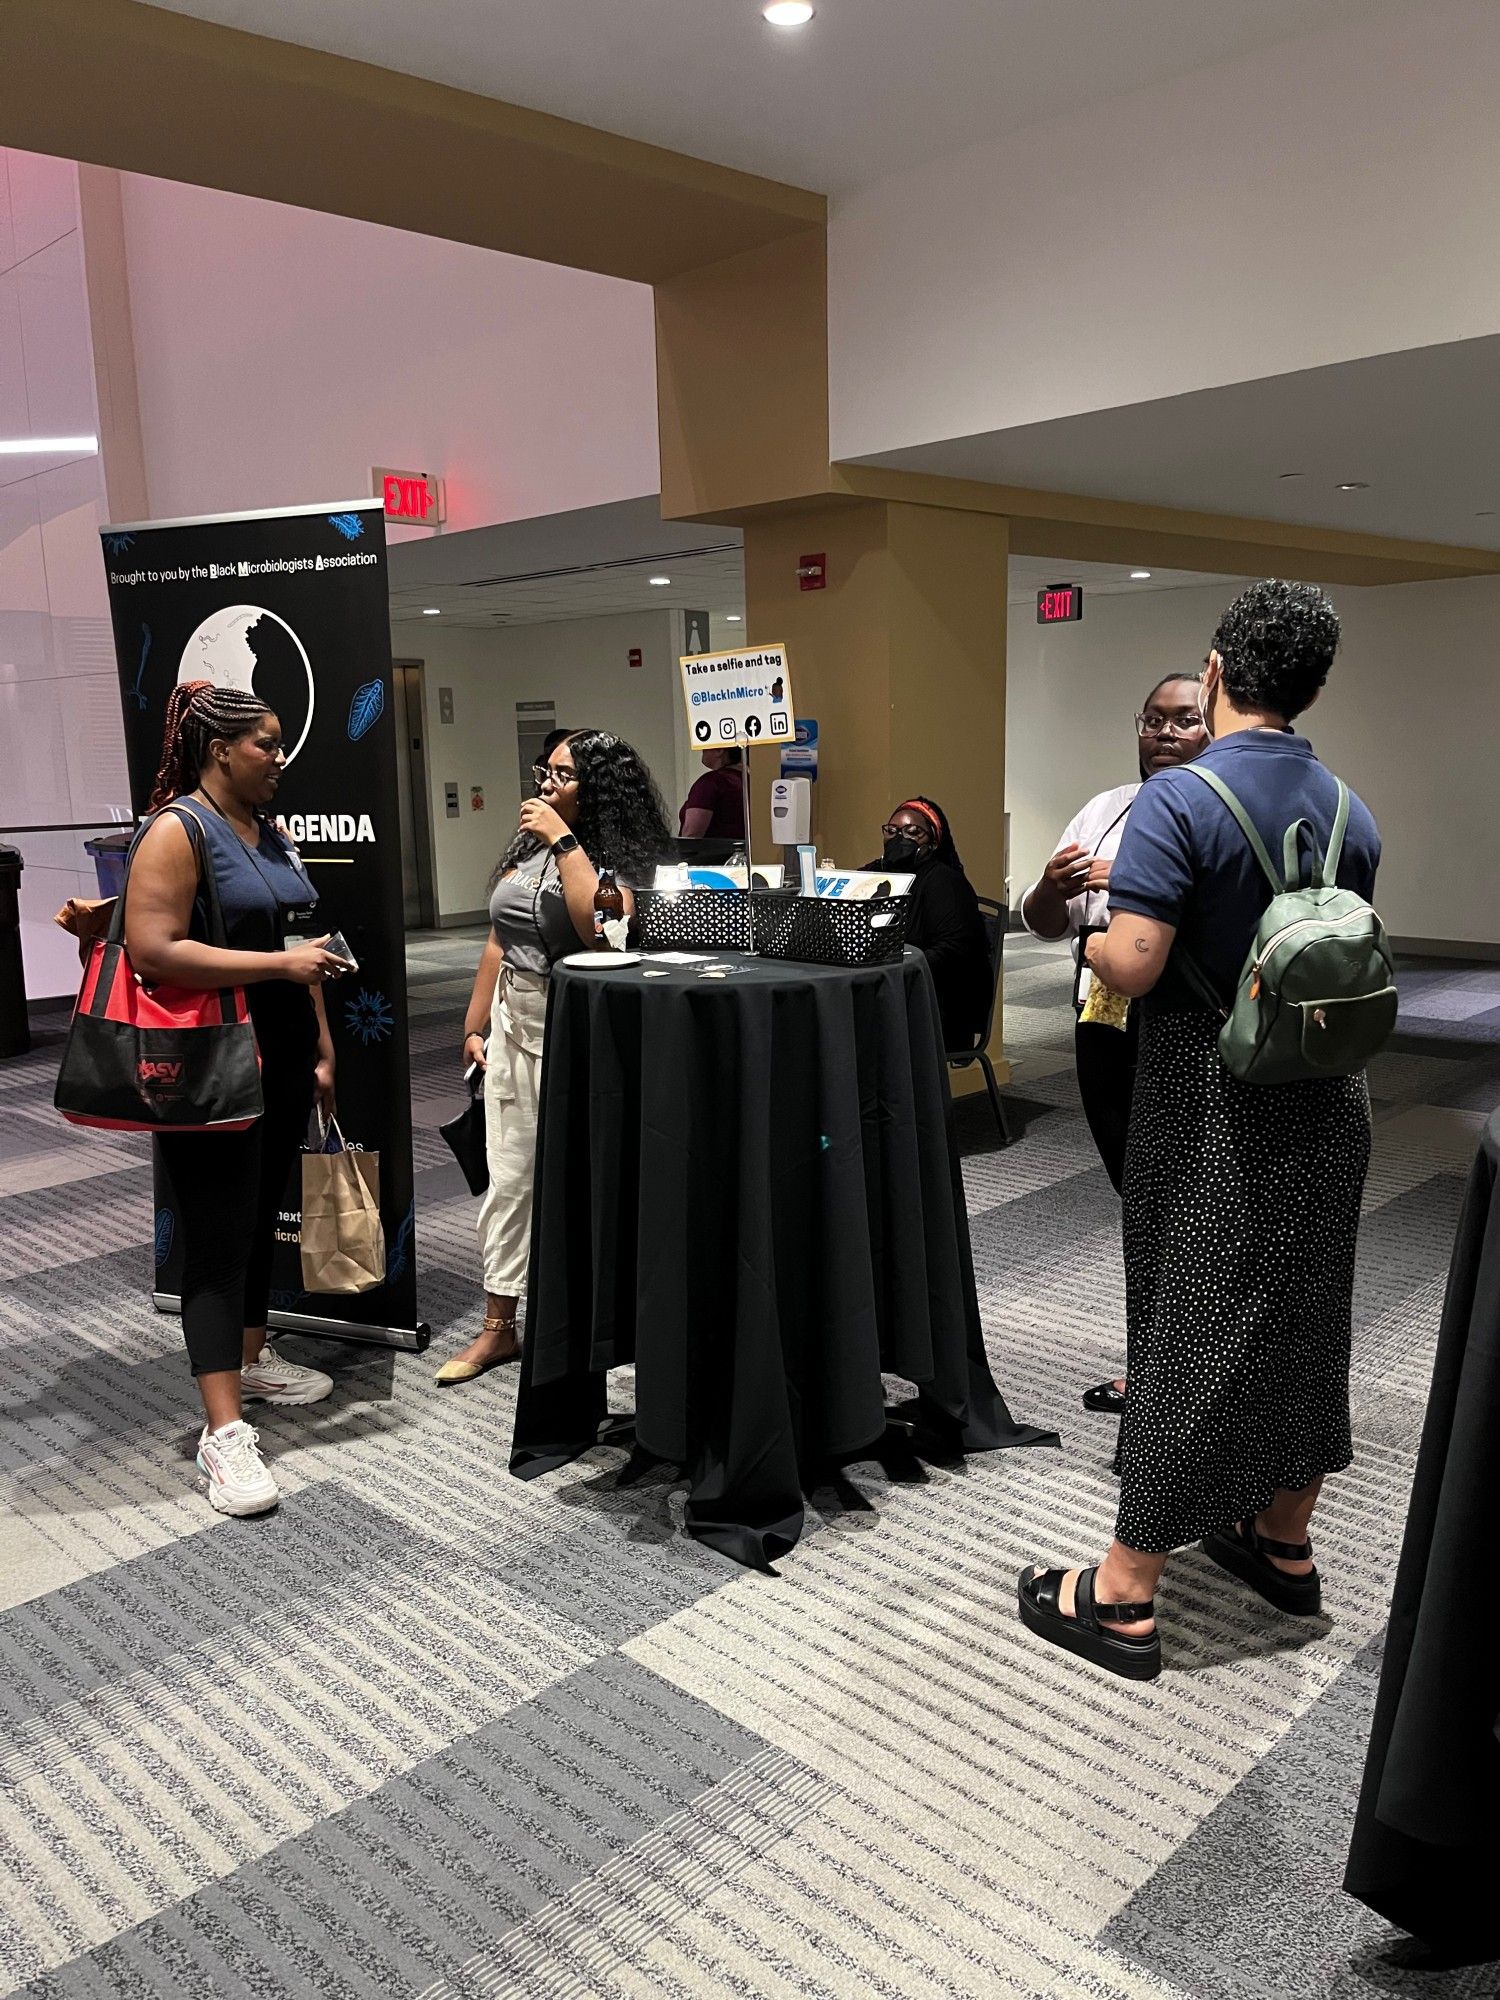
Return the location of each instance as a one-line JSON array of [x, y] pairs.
[[1059, 604], [415, 498]]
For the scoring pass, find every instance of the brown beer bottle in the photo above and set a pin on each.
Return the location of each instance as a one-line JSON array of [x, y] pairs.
[[609, 907]]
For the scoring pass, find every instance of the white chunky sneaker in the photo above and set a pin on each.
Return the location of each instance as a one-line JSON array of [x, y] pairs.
[[271, 1378], [238, 1480]]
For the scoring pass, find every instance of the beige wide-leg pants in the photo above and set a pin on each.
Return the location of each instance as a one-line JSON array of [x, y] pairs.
[[511, 1083]]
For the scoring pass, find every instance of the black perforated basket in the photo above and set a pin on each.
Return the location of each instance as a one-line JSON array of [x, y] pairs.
[[693, 920], [818, 930], [812, 930]]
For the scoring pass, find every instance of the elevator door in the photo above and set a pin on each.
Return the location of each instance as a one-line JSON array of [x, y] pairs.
[[418, 905]]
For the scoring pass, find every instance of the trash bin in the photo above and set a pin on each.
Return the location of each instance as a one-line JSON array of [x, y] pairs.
[[109, 852], [15, 1031]]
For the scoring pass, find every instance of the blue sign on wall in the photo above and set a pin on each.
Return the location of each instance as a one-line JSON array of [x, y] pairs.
[[800, 758]]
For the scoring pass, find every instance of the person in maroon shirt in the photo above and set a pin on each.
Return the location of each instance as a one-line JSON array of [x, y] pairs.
[[715, 808]]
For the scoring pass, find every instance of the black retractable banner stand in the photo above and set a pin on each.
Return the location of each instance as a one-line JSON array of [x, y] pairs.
[[295, 606]]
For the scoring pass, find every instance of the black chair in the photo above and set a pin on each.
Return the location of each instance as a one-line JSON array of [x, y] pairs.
[[996, 923]]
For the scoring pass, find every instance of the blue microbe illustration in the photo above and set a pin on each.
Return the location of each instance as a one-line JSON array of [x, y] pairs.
[[369, 1016], [165, 1227], [365, 709], [137, 692], [399, 1255], [350, 526]]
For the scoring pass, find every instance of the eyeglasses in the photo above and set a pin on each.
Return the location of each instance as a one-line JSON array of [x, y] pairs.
[[558, 774], [890, 831], [1180, 725]]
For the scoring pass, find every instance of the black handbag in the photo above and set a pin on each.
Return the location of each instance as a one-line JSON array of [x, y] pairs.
[[465, 1134]]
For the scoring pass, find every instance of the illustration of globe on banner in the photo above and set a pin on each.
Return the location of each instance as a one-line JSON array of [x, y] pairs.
[[247, 647]]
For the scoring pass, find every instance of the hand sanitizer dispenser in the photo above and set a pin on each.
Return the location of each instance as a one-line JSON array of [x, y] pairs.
[[791, 811]]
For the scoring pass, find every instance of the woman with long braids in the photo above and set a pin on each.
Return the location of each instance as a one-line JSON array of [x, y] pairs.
[[221, 763], [597, 807]]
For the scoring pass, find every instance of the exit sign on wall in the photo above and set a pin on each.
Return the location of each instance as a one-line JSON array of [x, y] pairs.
[[1059, 604], [415, 498]]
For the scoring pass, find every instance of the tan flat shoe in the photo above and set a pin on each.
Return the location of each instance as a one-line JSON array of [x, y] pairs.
[[458, 1370]]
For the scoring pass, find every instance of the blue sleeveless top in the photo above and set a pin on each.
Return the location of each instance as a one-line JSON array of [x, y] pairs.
[[259, 888]]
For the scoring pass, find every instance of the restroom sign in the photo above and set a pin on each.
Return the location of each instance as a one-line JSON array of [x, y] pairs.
[[738, 698]]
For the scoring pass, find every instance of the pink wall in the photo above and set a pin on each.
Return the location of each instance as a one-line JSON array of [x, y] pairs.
[[61, 747], [281, 353]]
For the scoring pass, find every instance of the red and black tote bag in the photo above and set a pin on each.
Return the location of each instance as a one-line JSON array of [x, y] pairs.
[[159, 1058]]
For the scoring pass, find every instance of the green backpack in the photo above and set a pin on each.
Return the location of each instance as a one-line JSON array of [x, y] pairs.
[[1317, 995]]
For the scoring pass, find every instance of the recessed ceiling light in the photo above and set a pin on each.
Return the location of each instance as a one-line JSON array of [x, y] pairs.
[[1483, 513], [1353, 485], [788, 13], [658, 581], [733, 618], [1140, 575], [432, 611], [1289, 475], [45, 447]]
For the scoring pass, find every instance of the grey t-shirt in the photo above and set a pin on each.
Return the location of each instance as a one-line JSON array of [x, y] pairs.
[[531, 918]]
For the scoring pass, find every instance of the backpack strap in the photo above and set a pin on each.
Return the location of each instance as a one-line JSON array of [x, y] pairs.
[[1246, 824], [1330, 869]]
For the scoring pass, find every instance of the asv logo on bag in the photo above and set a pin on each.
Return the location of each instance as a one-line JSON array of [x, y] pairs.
[[158, 1077]]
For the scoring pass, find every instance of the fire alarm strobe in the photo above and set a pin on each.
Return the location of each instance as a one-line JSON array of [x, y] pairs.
[[812, 572]]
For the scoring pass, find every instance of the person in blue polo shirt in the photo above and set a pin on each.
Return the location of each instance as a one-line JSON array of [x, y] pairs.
[[1241, 1200]]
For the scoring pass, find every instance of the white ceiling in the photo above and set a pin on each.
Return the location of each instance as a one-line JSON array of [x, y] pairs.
[[1029, 574], [598, 561], [868, 88], [591, 563], [1421, 428]]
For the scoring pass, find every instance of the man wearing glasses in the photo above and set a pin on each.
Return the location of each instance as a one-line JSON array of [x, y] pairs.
[[1071, 900]]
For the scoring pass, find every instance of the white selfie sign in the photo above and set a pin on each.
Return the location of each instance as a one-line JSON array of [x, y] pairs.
[[738, 699]]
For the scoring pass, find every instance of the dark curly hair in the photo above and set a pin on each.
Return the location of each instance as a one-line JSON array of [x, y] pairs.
[[622, 822], [1276, 644]]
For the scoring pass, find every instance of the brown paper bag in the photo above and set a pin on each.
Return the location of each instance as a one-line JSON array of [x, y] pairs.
[[343, 1244]]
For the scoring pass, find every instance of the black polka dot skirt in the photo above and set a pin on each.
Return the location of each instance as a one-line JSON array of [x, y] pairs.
[[1241, 1209]]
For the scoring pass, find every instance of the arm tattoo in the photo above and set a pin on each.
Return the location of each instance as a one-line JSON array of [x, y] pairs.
[[1143, 944]]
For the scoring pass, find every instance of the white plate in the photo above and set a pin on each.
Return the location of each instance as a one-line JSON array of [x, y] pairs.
[[593, 960]]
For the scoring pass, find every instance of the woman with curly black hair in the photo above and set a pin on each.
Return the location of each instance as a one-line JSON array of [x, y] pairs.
[[596, 808], [1241, 1199]]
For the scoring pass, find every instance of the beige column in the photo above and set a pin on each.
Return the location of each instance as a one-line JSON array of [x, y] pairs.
[[901, 658]]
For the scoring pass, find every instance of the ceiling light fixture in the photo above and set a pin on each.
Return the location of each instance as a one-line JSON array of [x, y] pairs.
[[1140, 576], [1289, 475], [45, 447], [1483, 513], [733, 618], [432, 611], [788, 13], [659, 582], [1353, 485]]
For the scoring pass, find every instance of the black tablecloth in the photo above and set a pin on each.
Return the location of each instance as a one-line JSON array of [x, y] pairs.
[[748, 1187], [1426, 1851]]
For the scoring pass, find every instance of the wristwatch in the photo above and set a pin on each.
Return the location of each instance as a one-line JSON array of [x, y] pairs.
[[565, 844]]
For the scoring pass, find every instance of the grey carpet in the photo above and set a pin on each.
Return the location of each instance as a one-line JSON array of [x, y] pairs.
[[431, 1731]]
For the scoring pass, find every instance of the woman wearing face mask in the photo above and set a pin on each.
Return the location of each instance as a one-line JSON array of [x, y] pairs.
[[596, 808], [1071, 900], [942, 916]]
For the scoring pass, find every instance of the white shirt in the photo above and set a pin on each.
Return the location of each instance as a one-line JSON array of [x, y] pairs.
[[1097, 830]]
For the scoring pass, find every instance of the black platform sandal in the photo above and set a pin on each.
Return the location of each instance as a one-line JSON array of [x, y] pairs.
[[1244, 1552], [1105, 1400], [1136, 1656]]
